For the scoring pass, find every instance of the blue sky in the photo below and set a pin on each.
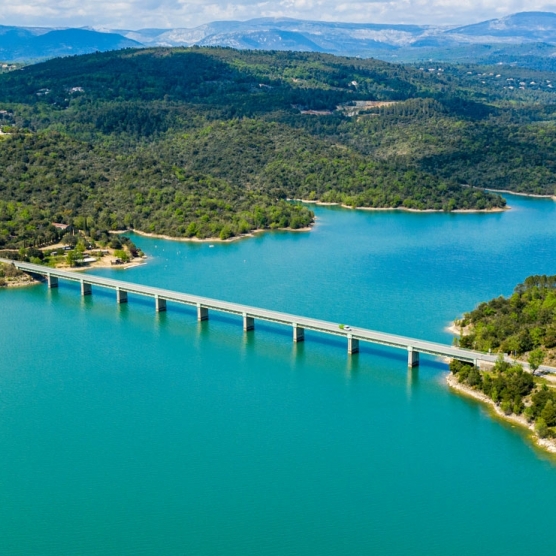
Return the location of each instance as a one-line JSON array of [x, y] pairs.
[[135, 14]]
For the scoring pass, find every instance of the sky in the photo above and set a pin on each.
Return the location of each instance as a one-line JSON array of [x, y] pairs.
[[137, 14]]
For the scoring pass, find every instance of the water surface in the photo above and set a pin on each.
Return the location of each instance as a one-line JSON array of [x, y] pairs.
[[125, 432]]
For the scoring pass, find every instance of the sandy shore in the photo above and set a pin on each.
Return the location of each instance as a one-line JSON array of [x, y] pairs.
[[103, 263], [402, 209], [455, 330], [548, 444], [212, 239]]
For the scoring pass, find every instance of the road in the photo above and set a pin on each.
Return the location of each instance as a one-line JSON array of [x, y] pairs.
[[307, 323]]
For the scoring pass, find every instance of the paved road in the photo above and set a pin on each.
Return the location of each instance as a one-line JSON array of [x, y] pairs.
[[327, 327]]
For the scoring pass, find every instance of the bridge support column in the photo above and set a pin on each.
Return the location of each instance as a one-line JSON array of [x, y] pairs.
[[160, 304], [202, 313], [248, 323], [353, 345], [52, 281], [298, 333], [121, 296], [86, 288], [412, 357]]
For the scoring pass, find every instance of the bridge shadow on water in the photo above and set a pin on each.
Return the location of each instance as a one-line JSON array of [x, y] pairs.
[[251, 339]]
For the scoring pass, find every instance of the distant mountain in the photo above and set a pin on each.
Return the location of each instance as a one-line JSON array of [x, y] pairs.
[[350, 38], [289, 34], [521, 27], [523, 38], [24, 44]]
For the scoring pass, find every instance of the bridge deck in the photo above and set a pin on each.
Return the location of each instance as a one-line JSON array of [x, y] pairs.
[[327, 327]]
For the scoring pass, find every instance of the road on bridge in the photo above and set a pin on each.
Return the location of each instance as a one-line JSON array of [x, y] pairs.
[[353, 334]]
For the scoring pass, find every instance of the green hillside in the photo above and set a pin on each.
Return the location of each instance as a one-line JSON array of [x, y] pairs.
[[518, 324], [206, 142]]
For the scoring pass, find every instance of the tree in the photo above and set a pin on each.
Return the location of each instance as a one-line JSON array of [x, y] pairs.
[[69, 239], [536, 358], [121, 254], [541, 427], [549, 413], [71, 258]]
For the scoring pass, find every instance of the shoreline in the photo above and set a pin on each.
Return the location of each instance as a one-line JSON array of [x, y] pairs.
[[17, 280], [546, 444], [405, 209], [21, 283], [251, 234], [534, 195], [139, 261]]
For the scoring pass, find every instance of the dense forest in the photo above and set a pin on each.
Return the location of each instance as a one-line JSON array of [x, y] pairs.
[[519, 324], [213, 142]]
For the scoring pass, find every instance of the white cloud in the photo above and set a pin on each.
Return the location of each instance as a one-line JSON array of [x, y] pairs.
[[133, 14]]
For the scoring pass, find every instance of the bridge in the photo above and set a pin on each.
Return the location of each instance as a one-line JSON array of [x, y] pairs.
[[353, 335]]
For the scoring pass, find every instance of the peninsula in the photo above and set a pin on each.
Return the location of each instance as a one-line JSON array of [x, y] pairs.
[[522, 325]]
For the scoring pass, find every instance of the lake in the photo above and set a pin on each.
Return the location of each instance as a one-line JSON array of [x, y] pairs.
[[126, 432]]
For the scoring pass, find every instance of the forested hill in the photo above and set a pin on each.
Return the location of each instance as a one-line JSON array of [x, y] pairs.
[[211, 142], [518, 324]]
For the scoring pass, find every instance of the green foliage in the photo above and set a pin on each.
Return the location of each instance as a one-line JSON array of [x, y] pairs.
[[73, 258], [122, 255], [515, 390], [541, 427], [523, 322], [211, 142], [536, 357]]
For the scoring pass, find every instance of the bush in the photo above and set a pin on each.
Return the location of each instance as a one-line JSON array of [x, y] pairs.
[[541, 428], [528, 414], [226, 233]]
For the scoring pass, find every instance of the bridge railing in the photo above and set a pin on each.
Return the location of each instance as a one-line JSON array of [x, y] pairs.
[[249, 313]]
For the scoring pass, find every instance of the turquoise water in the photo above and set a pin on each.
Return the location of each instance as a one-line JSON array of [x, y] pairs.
[[124, 432]]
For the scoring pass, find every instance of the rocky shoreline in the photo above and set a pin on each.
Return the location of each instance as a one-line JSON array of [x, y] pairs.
[[547, 444], [11, 277]]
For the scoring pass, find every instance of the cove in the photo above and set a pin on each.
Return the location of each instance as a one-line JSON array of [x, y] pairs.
[[127, 432]]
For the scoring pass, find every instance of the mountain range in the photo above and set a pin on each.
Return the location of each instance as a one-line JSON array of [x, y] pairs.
[[517, 35], [35, 43]]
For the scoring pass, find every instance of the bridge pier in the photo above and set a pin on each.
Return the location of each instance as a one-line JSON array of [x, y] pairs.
[[248, 323], [298, 333], [52, 281], [121, 296], [202, 313], [353, 345], [160, 304], [412, 357], [86, 288]]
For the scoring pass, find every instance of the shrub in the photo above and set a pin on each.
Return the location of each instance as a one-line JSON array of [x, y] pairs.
[[541, 428], [528, 414]]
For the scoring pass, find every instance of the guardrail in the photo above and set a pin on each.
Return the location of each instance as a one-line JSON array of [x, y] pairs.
[[249, 314]]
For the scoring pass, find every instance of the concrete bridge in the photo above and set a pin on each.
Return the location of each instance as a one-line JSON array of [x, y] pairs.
[[249, 314]]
